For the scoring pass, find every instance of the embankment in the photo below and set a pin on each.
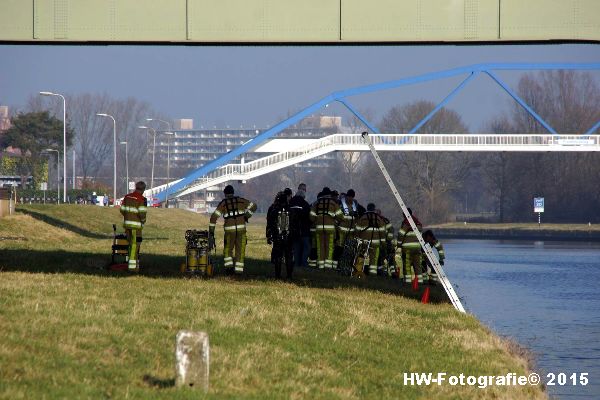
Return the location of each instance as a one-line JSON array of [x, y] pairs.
[[564, 232]]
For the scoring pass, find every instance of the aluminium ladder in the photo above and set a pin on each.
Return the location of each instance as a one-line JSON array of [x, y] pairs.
[[426, 247]]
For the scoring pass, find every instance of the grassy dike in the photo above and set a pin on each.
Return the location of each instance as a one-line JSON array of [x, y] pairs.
[[72, 330]]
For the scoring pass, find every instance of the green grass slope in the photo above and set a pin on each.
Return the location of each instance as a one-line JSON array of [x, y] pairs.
[[72, 330]]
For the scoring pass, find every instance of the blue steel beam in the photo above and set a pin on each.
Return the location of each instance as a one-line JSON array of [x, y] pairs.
[[521, 102], [358, 115], [340, 95], [205, 169], [461, 71], [593, 129], [444, 102]]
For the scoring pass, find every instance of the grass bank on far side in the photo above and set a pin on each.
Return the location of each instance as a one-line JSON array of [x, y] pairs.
[[530, 231]]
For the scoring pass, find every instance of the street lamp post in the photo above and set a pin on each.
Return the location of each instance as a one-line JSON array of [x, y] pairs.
[[64, 140], [153, 150], [161, 120], [126, 168], [114, 154], [168, 164], [170, 132], [73, 169], [57, 173]]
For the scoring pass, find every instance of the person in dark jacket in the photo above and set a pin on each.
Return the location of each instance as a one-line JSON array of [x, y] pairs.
[[278, 234], [300, 228]]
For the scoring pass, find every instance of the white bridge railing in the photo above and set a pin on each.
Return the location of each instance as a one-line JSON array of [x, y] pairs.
[[391, 142]]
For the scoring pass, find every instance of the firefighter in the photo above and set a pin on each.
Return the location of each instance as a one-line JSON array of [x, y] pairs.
[[300, 228], [371, 227], [235, 211], [411, 249], [134, 208], [352, 210], [325, 213], [387, 250], [312, 257], [430, 238], [279, 235]]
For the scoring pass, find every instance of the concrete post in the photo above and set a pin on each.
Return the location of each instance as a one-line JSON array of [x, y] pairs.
[[192, 359]]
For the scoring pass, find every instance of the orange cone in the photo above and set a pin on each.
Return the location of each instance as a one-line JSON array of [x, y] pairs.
[[425, 298], [415, 283]]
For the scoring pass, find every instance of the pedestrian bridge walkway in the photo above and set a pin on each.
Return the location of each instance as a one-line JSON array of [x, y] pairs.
[[292, 154]]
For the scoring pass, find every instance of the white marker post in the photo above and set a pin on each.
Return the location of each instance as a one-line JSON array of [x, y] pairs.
[[192, 359], [44, 187], [538, 207]]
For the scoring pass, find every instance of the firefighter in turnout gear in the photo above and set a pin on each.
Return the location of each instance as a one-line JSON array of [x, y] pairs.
[[325, 213], [134, 208], [279, 235], [387, 249], [235, 211], [352, 210], [312, 256], [372, 227], [411, 249], [430, 238]]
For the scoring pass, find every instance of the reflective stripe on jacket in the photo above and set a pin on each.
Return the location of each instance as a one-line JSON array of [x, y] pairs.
[[325, 214], [350, 215], [407, 237], [235, 211], [371, 226], [134, 208]]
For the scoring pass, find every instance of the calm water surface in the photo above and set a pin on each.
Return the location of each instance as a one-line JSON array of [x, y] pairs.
[[546, 295]]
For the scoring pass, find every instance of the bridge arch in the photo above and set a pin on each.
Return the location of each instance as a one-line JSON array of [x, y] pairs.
[[201, 177]]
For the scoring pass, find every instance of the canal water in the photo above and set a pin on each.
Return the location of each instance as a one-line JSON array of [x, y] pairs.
[[545, 295]]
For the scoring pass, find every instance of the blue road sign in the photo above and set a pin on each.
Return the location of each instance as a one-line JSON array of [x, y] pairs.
[[538, 204]]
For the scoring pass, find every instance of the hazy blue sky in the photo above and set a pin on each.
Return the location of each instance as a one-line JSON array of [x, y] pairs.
[[257, 85]]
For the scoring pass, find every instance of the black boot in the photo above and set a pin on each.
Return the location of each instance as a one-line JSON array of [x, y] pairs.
[[278, 269]]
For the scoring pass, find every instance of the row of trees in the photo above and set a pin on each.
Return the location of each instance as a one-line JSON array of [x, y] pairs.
[[36, 128]]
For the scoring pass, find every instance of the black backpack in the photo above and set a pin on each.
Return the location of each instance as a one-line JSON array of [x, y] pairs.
[[296, 217]]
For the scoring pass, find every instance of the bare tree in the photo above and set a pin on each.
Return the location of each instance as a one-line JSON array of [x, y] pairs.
[[495, 167], [428, 177], [570, 102], [93, 142]]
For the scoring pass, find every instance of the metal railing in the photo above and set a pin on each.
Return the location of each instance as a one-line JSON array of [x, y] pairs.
[[391, 142]]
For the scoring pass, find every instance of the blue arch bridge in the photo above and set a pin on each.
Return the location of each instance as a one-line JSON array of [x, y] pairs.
[[220, 170]]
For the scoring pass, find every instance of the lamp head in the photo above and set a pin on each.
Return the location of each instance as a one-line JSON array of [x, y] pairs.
[[47, 93]]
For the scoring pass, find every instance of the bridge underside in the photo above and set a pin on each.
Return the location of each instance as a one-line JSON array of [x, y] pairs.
[[293, 21]]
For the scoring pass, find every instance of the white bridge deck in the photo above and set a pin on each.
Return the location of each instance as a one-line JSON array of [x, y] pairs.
[[388, 142]]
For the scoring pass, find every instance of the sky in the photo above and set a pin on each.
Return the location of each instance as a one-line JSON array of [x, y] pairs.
[[257, 86]]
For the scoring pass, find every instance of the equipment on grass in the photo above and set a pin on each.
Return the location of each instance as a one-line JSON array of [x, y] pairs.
[[120, 251], [426, 248], [346, 262], [362, 254], [198, 257], [354, 256]]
